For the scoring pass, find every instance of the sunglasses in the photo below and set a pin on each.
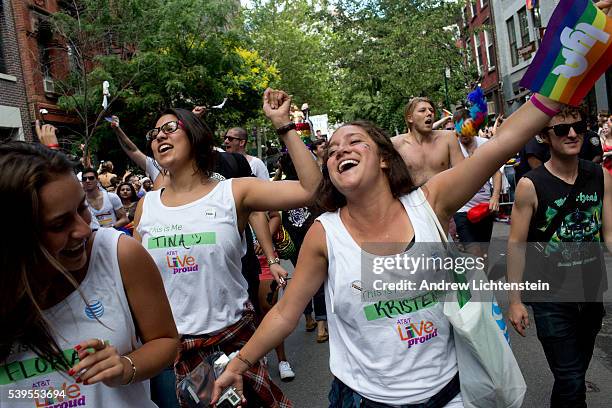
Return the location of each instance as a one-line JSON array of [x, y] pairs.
[[88, 178], [563, 129], [168, 127], [232, 138]]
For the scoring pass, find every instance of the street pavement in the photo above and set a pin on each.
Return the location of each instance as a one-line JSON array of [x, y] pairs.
[[310, 361]]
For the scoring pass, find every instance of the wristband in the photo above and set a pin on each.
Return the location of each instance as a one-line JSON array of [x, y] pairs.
[[272, 261], [244, 360], [285, 128], [545, 109], [131, 380], [53, 146]]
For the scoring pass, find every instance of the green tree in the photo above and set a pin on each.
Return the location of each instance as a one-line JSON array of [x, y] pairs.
[[292, 35], [87, 32], [389, 51]]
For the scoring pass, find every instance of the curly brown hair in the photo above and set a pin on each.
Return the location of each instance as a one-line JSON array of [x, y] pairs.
[[329, 198]]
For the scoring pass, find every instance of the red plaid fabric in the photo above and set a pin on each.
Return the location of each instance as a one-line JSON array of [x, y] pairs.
[[257, 381]]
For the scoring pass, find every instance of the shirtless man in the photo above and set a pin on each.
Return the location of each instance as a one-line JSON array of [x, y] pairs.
[[426, 152]]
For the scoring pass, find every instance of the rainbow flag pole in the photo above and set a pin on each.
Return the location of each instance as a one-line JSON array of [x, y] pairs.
[[575, 52]]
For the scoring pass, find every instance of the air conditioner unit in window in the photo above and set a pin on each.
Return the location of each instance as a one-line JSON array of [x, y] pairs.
[[48, 85]]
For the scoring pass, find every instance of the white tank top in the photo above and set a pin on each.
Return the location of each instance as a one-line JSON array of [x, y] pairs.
[[198, 251], [106, 215], [393, 352], [74, 322]]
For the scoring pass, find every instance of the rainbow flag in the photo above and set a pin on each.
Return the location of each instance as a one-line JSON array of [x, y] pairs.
[[575, 52]]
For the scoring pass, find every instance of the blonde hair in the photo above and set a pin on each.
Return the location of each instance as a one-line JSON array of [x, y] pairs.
[[412, 104]]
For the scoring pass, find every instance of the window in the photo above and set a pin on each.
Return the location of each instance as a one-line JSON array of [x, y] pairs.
[[523, 26], [483, 3], [512, 40], [7, 134], [2, 25], [478, 54], [535, 16], [490, 49], [473, 8]]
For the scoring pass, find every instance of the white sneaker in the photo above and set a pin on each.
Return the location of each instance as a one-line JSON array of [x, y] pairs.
[[286, 373]]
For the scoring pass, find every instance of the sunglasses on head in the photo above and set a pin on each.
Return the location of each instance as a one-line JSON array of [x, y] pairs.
[[88, 178], [168, 127], [563, 129]]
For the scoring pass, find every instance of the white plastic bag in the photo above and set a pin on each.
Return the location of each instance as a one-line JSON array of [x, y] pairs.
[[488, 372]]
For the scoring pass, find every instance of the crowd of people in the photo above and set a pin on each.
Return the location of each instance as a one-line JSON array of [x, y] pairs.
[[115, 320]]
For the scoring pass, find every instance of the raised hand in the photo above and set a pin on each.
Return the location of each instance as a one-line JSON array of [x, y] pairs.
[[46, 134], [199, 111], [115, 122], [276, 105]]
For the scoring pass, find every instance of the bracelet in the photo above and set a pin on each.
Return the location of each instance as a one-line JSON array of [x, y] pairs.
[[131, 380], [545, 109], [244, 360], [273, 261], [53, 146], [285, 128]]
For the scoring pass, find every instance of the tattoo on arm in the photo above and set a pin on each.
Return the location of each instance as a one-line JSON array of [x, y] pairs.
[[126, 143]]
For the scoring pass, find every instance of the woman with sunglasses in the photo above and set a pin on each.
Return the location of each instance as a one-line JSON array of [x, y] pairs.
[[85, 318], [193, 228]]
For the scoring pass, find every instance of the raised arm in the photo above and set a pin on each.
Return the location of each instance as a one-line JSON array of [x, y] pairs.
[[449, 190], [128, 146], [259, 195], [440, 123]]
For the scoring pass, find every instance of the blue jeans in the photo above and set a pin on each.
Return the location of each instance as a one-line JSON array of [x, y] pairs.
[[567, 332], [163, 389], [319, 305], [341, 396]]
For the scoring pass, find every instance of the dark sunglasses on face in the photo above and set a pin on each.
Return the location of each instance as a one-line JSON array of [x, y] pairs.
[[168, 127], [231, 139], [563, 129], [88, 178]]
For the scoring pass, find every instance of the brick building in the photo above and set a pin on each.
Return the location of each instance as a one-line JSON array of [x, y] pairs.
[[44, 58], [15, 120], [481, 43]]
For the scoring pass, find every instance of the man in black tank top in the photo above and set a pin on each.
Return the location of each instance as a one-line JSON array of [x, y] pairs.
[[567, 200]]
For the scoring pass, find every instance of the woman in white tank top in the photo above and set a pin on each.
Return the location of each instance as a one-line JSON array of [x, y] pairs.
[[85, 319], [387, 354], [193, 228]]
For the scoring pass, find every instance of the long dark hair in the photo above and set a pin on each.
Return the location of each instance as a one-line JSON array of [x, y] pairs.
[[200, 137], [133, 195], [329, 198], [24, 169]]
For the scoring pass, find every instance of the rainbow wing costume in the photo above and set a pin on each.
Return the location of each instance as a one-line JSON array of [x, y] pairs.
[[477, 104]]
